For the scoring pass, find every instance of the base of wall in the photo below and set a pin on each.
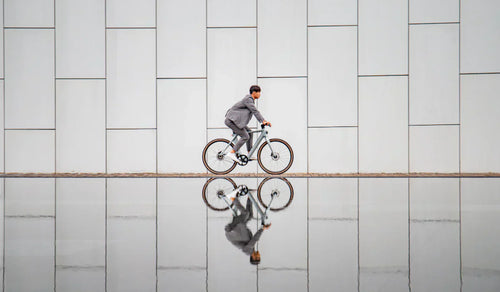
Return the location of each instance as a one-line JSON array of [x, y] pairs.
[[297, 175]]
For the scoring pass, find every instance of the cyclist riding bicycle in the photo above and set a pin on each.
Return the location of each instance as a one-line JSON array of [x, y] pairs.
[[238, 117], [238, 233]]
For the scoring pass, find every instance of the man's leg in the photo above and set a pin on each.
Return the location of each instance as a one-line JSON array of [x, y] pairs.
[[242, 218], [250, 139], [249, 210], [239, 206], [240, 132]]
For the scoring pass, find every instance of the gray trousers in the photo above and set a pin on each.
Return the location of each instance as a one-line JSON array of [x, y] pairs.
[[245, 136], [246, 213]]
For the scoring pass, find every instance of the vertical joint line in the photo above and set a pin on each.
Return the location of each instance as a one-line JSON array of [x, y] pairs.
[[156, 95], [408, 149], [307, 103], [357, 87], [358, 255], [308, 240], [3, 249], [460, 142], [55, 149], [106, 234], [55, 233], [105, 91], [206, 138], [106, 145], [55, 95], [357, 142], [308, 148], [4, 144], [206, 72], [156, 235], [408, 89], [409, 237]]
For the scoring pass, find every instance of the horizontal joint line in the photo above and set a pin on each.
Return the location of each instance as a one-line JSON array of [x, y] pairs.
[[194, 268], [27, 27], [332, 219], [30, 129], [329, 127], [430, 125], [434, 221], [431, 23], [229, 27], [30, 216], [387, 75], [175, 78], [480, 73], [81, 78], [269, 77], [332, 25], [152, 27], [125, 129]]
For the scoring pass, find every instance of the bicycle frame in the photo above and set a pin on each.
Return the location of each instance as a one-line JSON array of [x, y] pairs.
[[262, 136], [263, 214]]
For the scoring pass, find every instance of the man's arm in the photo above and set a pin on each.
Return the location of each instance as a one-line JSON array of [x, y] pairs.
[[251, 106]]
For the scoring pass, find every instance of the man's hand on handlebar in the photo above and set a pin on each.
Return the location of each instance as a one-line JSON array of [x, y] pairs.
[[266, 123]]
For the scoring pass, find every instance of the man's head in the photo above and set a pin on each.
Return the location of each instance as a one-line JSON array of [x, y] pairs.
[[255, 91], [255, 258]]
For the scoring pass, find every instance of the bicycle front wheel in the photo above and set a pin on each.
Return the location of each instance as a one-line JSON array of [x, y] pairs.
[[275, 157], [215, 158], [275, 191], [213, 191]]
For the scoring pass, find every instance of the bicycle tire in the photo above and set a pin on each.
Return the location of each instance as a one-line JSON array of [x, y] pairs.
[[207, 198], [264, 167], [290, 193], [207, 160]]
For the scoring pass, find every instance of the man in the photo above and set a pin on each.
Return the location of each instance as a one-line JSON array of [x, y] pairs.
[[238, 117], [238, 233]]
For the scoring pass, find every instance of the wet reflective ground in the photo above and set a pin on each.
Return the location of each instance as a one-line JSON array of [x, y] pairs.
[[336, 234]]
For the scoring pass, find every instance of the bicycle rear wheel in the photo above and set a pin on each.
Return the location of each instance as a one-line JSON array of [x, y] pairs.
[[279, 188], [215, 159], [214, 189], [275, 157]]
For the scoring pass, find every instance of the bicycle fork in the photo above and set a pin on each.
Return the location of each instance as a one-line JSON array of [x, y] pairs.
[[264, 216], [269, 144]]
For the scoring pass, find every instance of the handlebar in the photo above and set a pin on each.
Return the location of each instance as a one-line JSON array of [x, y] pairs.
[[262, 126]]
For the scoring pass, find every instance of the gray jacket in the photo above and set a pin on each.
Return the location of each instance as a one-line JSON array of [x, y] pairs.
[[241, 237], [242, 112]]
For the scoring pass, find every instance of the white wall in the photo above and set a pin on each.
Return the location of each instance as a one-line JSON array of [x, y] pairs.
[[354, 86]]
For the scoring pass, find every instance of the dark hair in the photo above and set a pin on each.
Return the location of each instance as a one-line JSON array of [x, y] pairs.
[[255, 261], [254, 88]]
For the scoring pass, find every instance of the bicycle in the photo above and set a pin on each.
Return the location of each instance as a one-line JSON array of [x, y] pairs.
[[275, 156], [217, 193]]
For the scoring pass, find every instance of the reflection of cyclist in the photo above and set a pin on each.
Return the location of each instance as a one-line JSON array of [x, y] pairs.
[[238, 117], [240, 235]]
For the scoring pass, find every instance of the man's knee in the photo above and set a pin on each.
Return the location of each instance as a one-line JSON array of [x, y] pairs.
[[244, 136]]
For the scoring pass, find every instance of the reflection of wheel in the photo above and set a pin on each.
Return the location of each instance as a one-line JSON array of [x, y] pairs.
[[214, 189], [279, 160], [278, 187], [215, 160]]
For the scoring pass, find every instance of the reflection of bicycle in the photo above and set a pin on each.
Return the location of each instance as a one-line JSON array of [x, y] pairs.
[[275, 156], [274, 194]]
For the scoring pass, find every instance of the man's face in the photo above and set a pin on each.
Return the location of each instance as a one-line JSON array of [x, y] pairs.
[[256, 95]]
